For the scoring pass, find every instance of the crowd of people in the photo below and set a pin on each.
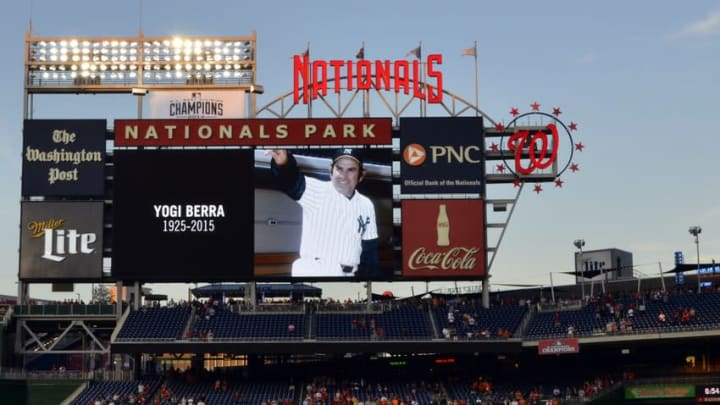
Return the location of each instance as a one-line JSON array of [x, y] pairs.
[[328, 390]]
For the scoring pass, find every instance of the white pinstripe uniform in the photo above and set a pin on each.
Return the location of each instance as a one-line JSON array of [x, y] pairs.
[[333, 228]]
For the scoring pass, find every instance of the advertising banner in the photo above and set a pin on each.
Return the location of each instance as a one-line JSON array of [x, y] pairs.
[[61, 240], [442, 155], [444, 239], [660, 391], [196, 104], [63, 158]]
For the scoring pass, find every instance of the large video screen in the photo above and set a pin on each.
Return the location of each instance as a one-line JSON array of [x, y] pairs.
[[183, 215], [295, 200], [224, 215]]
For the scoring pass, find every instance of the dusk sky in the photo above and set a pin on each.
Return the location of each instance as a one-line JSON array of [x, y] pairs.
[[639, 78]]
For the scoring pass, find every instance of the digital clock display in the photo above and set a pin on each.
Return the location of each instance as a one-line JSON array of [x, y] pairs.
[[708, 393]]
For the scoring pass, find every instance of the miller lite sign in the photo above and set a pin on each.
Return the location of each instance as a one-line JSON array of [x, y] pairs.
[[61, 240], [443, 239]]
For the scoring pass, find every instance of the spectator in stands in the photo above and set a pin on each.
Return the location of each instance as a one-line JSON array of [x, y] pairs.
[[685, 316], [662, 318], [165, 392]]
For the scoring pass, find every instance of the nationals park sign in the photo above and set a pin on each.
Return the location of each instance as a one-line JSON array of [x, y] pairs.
[[253, 132]]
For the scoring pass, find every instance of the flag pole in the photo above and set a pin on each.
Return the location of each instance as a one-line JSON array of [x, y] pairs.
[[309, 104], [365, 94], [476, 80], [422, 77]]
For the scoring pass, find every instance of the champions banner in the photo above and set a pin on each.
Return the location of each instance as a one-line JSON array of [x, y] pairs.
[[197, 104], [558, 346]]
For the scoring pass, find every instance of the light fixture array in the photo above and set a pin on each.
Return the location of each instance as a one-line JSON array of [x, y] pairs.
[[55, 62]]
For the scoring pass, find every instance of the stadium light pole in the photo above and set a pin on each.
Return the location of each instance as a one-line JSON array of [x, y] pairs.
[[695, 231], [579, 243]]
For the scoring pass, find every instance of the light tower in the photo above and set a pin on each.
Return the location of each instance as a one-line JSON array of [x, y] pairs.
[[695, 231], [579, 243]]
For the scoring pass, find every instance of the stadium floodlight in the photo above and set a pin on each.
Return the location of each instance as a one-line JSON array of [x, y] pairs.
[[579, 243], [117, 65], [695, 231]]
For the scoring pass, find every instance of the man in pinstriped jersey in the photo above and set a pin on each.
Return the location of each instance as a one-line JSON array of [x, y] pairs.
[[339, 227]]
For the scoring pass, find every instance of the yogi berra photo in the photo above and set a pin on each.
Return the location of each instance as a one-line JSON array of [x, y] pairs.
[[339, 236]]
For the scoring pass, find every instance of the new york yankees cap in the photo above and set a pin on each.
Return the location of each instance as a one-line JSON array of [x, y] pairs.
[[352, 153]]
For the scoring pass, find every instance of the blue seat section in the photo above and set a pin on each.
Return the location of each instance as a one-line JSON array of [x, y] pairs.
[[631, 314], [155, 323], [373, 392], [470, 319], [402, 322], [256, 393], [225, 324], [248, 393], [122, 390], [682, 312], [543, 324]]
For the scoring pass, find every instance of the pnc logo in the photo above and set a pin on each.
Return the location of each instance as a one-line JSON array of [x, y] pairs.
[[414, 154]]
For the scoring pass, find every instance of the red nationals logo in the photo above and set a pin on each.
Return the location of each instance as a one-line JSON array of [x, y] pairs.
[[533, 146], [542, 153]]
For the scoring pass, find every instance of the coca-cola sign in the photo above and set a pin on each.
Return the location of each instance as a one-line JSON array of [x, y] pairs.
[[457, 258], [444, 239]]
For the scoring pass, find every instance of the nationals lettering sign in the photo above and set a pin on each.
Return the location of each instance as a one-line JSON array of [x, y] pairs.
[[253, 132], [311, 78], [444, 239]]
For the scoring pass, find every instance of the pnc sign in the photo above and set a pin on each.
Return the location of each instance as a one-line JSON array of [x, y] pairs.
[[442, 155], [415, 154]]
